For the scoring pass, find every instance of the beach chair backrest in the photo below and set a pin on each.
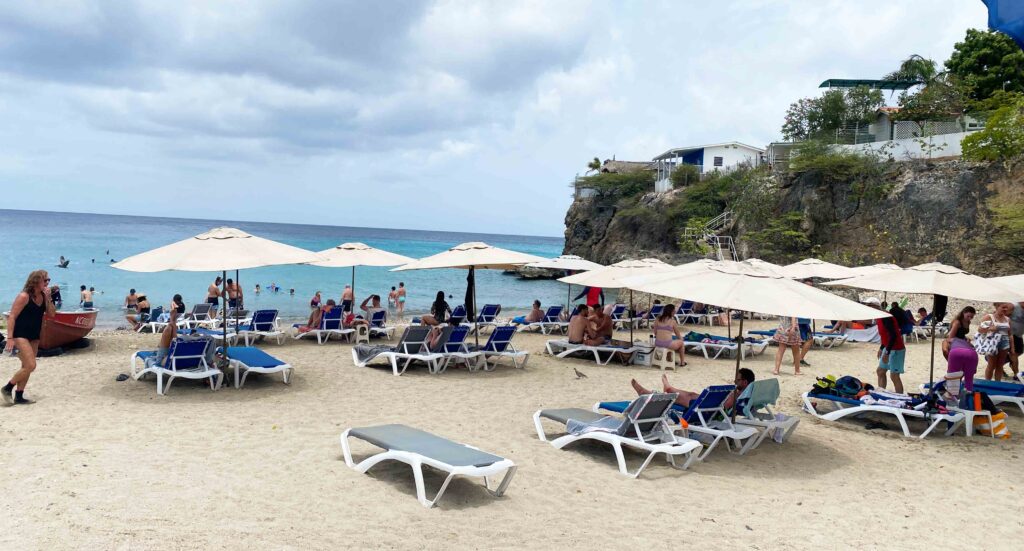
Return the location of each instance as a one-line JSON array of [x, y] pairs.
[[201, 310], [647, 416], [154, 313], [379, 318], [456, 339], [488, 313], [656, 311], [332, 320], [553, 314], [458, 315], [709, 404], [618, 310], [413, 340], [264, 320], [761, 394], [446, 333], [501, 339], [686, 306], [186, 354]]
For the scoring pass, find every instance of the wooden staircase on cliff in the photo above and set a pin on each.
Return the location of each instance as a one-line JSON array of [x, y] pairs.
[[722, 246]]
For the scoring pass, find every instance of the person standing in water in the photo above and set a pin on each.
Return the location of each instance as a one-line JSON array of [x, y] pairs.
[[24, 327], [213, 294], [131, 301], [85, 299], [400, 298], [348, 298]]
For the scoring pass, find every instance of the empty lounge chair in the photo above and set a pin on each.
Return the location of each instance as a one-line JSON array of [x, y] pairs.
[[263, 324], [253, 360], [412, 346]]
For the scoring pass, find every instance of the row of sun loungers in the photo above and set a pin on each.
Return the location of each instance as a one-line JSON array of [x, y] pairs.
[[451, 346], [822, 340], [193, 359]]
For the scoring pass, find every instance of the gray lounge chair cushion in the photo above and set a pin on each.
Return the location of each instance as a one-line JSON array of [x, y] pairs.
[[402, 438], [564, 415], [413, 334]]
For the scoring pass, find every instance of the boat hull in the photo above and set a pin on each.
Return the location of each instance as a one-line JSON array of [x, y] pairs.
[[64, 328]]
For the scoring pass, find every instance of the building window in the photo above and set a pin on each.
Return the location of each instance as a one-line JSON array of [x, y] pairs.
[[718, 161]]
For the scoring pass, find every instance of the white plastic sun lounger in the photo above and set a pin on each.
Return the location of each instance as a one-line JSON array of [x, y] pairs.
[[330, 324], [829, 340], [643, 427], [412, 346], [755, 410], [264, 324], [849, 407], [561, 348], [416, 448], [185, 359], [253, 360], [551, 322], [714, 350]]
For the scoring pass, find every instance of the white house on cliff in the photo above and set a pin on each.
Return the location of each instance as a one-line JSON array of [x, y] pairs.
[[707, 158]]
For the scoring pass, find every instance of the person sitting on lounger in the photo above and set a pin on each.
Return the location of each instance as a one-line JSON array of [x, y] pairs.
[[666, 333], [175, 311], [578, 324], [922, 317], [535, 315], [141, 315], [742, 381], [316, 317], [599, 329], [439, 311], [370, 306]]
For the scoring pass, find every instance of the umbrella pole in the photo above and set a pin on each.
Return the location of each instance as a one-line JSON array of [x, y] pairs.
[[931, 368], [353, 288], [238, 285], [476, 326], [224, 310], [736, 375], [728, 323], [568, 299], [630, 314]]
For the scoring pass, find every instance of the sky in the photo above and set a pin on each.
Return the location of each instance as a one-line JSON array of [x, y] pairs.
[[441, 115]]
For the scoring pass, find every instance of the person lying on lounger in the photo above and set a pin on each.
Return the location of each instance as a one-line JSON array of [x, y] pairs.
[[316, 317], [744, 379], [535, 315]]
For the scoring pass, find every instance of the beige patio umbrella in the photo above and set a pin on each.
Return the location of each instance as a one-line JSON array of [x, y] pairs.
[[1012, 281], [936, 279], [740, 286], [350, 255], [873, 268], [569, 263], [763, 265], [813, 267], [472, 256], [611, 277], [218, 250]]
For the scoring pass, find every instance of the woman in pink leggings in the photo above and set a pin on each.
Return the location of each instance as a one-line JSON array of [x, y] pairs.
[[960, 353]]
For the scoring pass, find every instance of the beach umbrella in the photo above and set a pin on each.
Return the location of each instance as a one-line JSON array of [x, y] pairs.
[[1013, 281], [936, 279], [873, 269], [763, 265], [351, 255], [1007, 16], [741, 286], [611, 277], [813, 267], [568, 263], [472, 256], [217, 250]]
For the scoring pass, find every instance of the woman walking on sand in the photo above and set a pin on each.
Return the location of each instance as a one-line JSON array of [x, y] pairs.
[[787, 336], [25, 325]]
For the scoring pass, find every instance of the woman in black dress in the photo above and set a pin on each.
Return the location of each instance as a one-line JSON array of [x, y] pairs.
[[23, 329]]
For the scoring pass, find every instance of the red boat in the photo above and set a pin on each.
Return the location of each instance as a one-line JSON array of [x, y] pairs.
[[64, 328]]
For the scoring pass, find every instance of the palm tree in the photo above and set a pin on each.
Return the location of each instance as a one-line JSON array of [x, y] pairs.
[[916, 68], [594, 165]]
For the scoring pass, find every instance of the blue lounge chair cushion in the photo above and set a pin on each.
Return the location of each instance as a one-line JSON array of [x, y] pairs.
[[253, 357]]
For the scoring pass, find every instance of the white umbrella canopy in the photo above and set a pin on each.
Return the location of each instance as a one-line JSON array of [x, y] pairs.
[[1013, 281], [569, 262], [813, 267], [873, 269], [610, 276], [359, 254], [739, 286], [472, 255], [934, 279], [217, 250], [763, 265]]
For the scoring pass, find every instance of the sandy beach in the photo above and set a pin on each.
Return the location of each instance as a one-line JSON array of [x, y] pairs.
[[101, 464]]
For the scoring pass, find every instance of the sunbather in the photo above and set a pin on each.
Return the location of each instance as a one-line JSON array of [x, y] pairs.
[[347, 299], [744, 379], [578, 324], [141, 314], [439, 311], [599, 330], [175, 310], [316, 317], [213, 294], [535, 315]]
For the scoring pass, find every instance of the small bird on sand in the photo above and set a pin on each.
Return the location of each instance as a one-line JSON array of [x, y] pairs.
[[579, 374]]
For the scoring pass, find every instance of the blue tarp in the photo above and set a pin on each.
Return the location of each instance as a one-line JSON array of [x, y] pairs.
[[1007, 17]]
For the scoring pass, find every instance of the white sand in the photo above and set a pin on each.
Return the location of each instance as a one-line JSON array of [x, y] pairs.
[[101, 464]]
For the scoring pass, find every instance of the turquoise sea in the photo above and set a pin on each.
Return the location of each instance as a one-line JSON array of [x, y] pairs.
[[33, 240]]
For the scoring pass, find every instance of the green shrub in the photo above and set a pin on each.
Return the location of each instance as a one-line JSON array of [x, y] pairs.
[[782, 239], [684, 175], [620, 184], [1002, 139]]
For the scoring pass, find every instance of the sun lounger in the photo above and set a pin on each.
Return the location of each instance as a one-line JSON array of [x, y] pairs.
[[650, 316], [620, 316], [755, 410], [719, 345], [330, 324], [200, 316], [263, 324], [644, 426], [706, 416], [486, 318], [253, 360], [215, 334], [378, 325], [412, 346], [561, 348], [552, 321], [458, 315], [453, 346], [851, 407], [185, 359], [416, 448], [499, 345]]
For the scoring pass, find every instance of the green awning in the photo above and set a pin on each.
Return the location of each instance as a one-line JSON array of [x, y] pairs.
[[874, 84]]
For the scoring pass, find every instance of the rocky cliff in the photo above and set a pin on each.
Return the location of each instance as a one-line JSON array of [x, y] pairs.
[[903, 212]]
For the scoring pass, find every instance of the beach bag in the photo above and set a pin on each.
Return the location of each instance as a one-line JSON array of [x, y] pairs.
[[997, 428], [848, 386], [986, 344]]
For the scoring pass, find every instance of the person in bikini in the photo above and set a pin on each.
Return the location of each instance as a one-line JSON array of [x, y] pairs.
[[400, 298], [743, 380], [665, 328]]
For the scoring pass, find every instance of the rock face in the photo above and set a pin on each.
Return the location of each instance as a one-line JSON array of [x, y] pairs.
[[926, 212]]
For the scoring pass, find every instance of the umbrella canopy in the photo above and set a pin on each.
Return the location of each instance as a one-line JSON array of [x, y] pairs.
[[1013, 281], [217, 250], [763, 265], [873, 269], [813, 267], [739, 286], [472, 255], [358, 254], [934, 279], [568, 262], [610, 276]]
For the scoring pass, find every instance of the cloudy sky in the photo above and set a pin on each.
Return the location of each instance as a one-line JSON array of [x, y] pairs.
[[446, 115]]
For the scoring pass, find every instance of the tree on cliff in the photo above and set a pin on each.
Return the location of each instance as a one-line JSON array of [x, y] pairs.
[[1002, 139], [820, 117], [594, 165], [987, 62], [916, 68]]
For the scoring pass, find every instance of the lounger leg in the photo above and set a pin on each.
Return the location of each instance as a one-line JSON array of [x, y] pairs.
[[160, 383], [170, 381], [539, 427], [287, 376], [238, 384], [906, 429], [503, 485]]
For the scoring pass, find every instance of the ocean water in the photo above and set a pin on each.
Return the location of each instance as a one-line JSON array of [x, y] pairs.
[[34, 240]]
